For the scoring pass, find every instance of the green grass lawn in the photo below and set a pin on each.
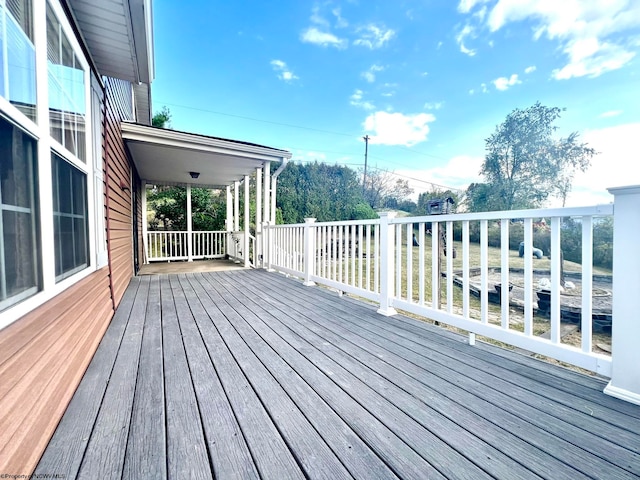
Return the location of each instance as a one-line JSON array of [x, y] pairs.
[[494, 260]]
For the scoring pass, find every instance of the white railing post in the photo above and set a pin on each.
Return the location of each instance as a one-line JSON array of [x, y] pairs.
[[387, 267], [267, 232], [189, 226], [309, 251], [246, 227], [625, 335]]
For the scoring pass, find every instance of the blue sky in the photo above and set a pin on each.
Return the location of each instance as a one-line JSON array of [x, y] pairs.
[[428, 81]]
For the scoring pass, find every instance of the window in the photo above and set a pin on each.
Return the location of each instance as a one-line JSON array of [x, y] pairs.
[[70, 221], [67, 95], [18, 55], [19, 269]]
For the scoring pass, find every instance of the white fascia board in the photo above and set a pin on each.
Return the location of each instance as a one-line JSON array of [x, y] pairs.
[[134, 132]]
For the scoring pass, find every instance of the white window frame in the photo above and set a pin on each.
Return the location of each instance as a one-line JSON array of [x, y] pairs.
[[97, 257]]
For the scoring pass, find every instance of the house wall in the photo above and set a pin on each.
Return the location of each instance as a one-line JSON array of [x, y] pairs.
[[42, 359], [44, 354], [120, 222]]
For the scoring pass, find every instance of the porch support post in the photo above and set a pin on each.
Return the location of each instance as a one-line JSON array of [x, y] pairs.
[[145, 247], [309, 251], [267, 174], [387, 267], [229, 222], [236, 206], [257, 255], [274, 184], [245, 248], [625, 334], [189, 227]]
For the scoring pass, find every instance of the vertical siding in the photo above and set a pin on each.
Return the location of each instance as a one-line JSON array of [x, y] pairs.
[[120, 220]]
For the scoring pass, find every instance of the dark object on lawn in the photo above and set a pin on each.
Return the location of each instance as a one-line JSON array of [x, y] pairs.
[[440, 206], [415, 241], [536, 251]]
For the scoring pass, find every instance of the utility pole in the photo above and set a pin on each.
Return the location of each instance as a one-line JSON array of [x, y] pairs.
[[366, 152]]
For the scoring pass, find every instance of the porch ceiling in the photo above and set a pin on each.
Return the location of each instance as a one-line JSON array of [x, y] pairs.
[[167, 156]]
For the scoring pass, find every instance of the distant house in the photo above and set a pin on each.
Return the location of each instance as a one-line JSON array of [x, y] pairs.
[[76, 150]]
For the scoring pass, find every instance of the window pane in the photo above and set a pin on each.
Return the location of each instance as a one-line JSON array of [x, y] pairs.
[[69, 218], [19, 267], [19, 252], [17, 56], [67, 95]]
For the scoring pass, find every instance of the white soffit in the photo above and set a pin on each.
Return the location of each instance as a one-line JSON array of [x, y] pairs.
[[119, 36], [167, 157]]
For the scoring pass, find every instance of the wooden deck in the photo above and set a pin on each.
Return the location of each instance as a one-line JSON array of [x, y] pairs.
[[248, 374]]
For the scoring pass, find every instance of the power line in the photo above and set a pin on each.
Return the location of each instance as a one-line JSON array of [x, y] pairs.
[[260, 120], [300, 127]]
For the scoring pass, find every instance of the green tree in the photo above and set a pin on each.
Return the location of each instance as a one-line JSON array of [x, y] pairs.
[[167, 208], [525, 164], [384, 189], [162, 119], [325, 192]]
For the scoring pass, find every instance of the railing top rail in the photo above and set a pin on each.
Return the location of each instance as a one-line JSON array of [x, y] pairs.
[[598, 210], [372, 221], [184, 231]]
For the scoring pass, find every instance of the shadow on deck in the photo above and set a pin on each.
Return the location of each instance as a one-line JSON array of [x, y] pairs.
[[248, 374]]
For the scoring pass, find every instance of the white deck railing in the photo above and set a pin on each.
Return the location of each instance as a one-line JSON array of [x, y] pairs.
[[377, 260], [170, 246]]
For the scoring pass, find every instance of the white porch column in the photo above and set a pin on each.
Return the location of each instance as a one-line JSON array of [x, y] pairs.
[[145, 247], [274, 185], [236, 206], [257, 255], [189, 226], [625, 334], [245, 248], [387, 267], [267, 175], [229, 221]]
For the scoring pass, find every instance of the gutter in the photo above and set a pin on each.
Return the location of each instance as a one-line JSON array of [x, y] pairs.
[[274, 182]]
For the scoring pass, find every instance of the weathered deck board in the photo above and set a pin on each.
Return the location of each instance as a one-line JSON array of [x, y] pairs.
[[437, 374], [433, 436], [146, 455], [247, 374], [228, 449]]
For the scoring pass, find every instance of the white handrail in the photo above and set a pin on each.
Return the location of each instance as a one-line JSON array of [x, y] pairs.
[[398, 276]]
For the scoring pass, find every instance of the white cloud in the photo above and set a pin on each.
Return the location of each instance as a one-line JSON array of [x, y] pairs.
[[610, 113], [324, 39], [466, 31], [317, 18], [530, 69], [373, 36], [356, 100], [503, 83], [370, 75], [284, 73], [595, 36], [458, 173], [465, 6], [610, 168], [433, 105], [341, 22], [398, 129], [483, 87]]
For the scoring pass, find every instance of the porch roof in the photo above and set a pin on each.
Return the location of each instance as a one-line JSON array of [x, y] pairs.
[[119, 36], [167, 157]]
